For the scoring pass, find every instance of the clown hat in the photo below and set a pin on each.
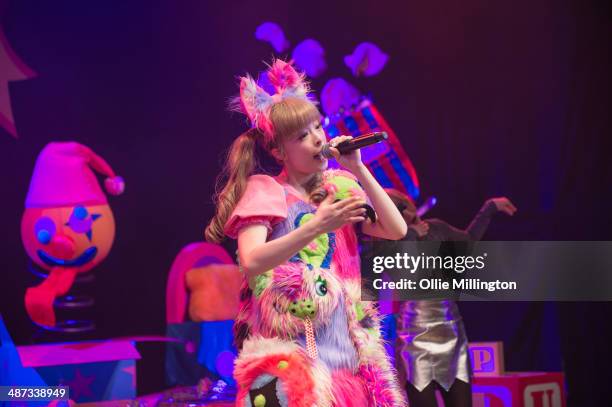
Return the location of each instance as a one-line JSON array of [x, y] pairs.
[[63, 176]]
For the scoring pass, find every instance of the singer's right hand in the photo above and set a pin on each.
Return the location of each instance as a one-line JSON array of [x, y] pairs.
[[331, 216]]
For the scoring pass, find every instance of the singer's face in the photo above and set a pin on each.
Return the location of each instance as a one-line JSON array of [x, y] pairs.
[[302, 150]]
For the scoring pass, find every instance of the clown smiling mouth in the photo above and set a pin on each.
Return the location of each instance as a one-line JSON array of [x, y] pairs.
[[86, 256]]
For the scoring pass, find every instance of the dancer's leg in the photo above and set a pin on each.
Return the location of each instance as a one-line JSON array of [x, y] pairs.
[[425, 398], [459, 395]]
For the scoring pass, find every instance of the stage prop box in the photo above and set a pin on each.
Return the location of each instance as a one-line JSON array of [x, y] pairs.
[[93, 370]]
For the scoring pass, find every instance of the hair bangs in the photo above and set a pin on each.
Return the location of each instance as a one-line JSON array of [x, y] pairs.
[[292, 115]]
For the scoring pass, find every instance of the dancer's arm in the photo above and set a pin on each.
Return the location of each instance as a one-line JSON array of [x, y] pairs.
[[480, 223], [416, 231]]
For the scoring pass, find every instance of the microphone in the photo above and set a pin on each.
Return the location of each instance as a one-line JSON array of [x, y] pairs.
[[356, 143]]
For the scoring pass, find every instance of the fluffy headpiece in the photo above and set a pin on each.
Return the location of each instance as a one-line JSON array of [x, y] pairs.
[[256, 103]]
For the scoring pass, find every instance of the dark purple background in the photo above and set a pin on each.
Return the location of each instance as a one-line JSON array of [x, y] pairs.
[[488, 97]]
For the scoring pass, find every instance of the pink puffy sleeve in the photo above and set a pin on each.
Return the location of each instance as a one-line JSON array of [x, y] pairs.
[[263, 202]]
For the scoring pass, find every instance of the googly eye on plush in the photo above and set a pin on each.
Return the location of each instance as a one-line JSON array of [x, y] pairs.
[[321, 287]]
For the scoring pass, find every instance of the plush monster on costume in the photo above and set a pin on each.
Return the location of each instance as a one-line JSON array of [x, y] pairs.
[[316, 343], [345, 187]]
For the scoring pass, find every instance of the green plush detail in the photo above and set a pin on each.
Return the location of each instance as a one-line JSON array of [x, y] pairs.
[[261, 282], [359, 312], [374, 332], [303, 309], [259, 401], [314, 255], [344, 186]]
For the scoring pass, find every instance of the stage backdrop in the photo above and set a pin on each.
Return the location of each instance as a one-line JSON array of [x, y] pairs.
[[488, 98]]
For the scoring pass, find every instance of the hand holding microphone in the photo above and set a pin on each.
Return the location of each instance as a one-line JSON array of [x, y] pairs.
[[348, 145], [345, 150]]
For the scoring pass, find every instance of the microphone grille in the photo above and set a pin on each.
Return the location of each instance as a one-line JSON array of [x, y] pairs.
[[326, 151]]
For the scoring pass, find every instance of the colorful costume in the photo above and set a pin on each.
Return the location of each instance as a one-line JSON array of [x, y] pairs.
[[306, 338]]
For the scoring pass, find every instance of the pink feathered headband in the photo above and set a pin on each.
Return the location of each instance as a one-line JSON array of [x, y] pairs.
[[256, 103]]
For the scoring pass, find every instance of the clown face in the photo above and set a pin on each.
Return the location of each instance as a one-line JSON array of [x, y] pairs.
[[77, 237]]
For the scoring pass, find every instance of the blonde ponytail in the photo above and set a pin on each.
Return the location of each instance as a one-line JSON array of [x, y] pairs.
[[240, 164]]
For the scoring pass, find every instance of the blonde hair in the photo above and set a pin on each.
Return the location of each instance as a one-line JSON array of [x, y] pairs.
[[288, 117]]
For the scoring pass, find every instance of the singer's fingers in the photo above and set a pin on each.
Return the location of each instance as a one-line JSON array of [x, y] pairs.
[[357, 205], [340, 204], [339, 139], [353, 202], [335, 152], [356, 219], [330, 197], [356, 212], [350, 203]]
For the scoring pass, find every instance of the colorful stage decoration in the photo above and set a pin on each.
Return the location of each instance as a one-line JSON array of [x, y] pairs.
[[388, 161], [494, 387], [338, 95], [487, 358], [202, 300], [12, 371], [93, 371], [273, 34], [96, 370], [309, 56], [67, 227], [12, 68], [366, 60]]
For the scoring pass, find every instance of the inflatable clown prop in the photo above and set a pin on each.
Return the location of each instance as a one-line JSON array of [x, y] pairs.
[[67, 227]]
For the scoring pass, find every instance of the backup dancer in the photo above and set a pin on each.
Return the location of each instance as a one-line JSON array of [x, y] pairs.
[[431, 350]]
